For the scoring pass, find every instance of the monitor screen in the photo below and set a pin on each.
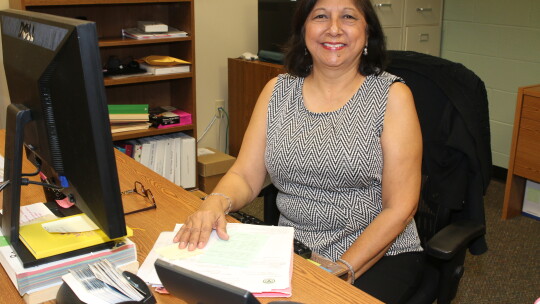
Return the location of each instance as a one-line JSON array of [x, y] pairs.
[[53, 69], [275, 24]]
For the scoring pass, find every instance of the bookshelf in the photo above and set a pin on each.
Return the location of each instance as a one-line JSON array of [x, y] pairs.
[[111, 16]]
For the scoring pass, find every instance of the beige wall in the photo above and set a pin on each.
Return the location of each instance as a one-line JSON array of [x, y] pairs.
[[500, 41], [4, 97], [223, 29]]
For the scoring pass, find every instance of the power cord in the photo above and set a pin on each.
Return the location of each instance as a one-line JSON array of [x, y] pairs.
[[209, 126], [26, 182]]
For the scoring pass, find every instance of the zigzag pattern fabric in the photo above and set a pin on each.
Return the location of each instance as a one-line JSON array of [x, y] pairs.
[[328, 166]]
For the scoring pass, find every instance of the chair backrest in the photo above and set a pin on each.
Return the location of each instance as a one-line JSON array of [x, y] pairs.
[[451, 103]]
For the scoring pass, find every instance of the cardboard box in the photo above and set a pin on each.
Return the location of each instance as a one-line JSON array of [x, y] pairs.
[[531, 199], [208, 183], [213, 162]]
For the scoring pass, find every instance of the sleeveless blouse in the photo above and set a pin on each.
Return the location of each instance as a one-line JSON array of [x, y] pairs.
[[328, 166]]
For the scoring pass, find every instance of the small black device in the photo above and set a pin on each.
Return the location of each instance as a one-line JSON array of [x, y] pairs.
[[195, 288], [299, 248]]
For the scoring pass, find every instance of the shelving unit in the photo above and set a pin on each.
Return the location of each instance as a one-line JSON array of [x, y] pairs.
[[111, 16]]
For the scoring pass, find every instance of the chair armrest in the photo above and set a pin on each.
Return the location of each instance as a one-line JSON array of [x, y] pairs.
[[271, 212], [454, 238]]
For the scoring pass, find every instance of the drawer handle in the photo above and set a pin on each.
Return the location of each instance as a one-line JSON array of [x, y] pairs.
[[424, 9], [383, 5], [424, 37]]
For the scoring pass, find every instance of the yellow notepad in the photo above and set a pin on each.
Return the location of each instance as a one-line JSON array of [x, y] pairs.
[[42, 243]]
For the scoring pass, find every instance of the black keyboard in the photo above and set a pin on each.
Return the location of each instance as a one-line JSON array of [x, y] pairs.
[[299, 247]]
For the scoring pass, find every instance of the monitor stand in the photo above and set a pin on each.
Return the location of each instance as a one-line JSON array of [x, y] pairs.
[[17, 117]]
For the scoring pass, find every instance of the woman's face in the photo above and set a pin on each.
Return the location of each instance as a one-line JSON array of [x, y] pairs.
[[335, 33]]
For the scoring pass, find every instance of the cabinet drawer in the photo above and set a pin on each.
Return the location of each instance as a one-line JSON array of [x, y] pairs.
[[531, 108], [393, 37], [390, 12], [423, 12], [527, 160], [423, 39]]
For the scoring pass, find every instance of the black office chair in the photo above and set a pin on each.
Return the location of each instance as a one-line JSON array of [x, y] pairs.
[[452, 107]]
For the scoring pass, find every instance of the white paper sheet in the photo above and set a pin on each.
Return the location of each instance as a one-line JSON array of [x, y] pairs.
[[256, 258]]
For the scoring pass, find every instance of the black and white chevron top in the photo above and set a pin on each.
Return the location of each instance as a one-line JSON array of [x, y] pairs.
[[328, 166]]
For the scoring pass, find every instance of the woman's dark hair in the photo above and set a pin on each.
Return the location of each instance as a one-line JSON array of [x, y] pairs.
[[298, 63]]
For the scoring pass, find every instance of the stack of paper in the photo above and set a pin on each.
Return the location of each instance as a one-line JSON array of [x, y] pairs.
[[257, 258], [101, 283], [40, 283]]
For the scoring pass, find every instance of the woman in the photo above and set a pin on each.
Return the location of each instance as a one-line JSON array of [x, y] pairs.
[[341, 141]]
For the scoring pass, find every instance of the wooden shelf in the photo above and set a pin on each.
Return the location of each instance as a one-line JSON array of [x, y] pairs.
[[144, 78], [149, 132], [121, 41]]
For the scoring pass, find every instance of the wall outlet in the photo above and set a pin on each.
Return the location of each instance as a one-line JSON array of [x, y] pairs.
[[220, 103]]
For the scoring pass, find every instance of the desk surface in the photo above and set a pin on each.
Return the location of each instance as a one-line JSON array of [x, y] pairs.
[[310, 284]]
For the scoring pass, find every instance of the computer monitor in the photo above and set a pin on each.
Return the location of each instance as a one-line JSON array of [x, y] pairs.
[[59, 113]]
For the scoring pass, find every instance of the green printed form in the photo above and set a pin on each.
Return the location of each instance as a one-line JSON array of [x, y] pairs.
[[3, 241], [238, 251]]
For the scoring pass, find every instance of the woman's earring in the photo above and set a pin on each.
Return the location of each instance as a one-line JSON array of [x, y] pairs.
[[305, 51], [365, 50]]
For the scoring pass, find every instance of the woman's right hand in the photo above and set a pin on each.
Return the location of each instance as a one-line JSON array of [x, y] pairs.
[[197, 229]]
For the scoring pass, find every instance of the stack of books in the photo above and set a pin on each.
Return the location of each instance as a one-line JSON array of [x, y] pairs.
[[128, 117]]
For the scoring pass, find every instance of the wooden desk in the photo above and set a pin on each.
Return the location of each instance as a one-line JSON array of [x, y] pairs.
[[310, 284], [524, 161]]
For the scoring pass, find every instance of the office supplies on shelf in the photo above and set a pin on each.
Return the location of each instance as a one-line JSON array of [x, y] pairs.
[[185, 119], [128, 108], [132, 126], [164, 70], [136, 33], [152, 26], [256, 258], [163, 60]]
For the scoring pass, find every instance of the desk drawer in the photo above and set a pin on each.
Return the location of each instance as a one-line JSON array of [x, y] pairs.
[[527, 160], [393, 37], [423, 39], [423, 12], [531, 108], [390, 12]]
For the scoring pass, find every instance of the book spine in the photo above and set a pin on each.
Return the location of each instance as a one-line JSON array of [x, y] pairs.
[[128, 109]]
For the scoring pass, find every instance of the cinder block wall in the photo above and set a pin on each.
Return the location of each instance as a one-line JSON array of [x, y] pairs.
[[500, 41]]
